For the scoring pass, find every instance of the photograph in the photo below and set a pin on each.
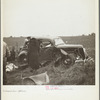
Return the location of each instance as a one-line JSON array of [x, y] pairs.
[[49, 60], [49, 45]]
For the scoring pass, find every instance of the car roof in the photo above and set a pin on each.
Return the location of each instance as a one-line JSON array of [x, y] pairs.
[[51, 38]]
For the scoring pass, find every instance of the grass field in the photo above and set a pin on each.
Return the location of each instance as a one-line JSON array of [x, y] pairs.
[[86, 41], [77, 74]]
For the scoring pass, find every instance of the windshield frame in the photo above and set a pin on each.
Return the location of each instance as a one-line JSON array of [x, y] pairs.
[[60, 42]]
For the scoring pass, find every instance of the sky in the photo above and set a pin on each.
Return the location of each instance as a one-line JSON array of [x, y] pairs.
[[48, 17]]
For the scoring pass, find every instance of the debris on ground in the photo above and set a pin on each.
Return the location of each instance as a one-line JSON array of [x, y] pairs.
[[40, 79], [11, 67]]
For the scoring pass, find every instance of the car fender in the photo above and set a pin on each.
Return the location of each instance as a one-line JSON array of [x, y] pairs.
[[22, 53]]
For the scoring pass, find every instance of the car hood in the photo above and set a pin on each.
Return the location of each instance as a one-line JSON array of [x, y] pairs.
[[69, 46]]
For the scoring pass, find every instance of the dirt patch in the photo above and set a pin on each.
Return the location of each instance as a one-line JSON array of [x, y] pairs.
[[78, 74]]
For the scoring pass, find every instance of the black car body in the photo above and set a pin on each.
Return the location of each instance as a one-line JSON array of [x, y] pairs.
[[55, 49]]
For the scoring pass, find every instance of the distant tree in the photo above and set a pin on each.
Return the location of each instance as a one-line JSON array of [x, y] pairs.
[[83, 35], [10, 36], [92, 34]]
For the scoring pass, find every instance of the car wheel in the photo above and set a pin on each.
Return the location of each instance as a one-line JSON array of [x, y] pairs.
[[22, 60], [68, 60]]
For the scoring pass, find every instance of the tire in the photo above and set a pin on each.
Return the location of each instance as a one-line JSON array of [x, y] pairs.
[[68, 60], [23, 60]]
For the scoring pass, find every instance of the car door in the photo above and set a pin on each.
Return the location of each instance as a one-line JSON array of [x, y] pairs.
[[46, 51]]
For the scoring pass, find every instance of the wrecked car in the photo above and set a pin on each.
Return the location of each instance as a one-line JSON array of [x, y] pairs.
[[54, 49]]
